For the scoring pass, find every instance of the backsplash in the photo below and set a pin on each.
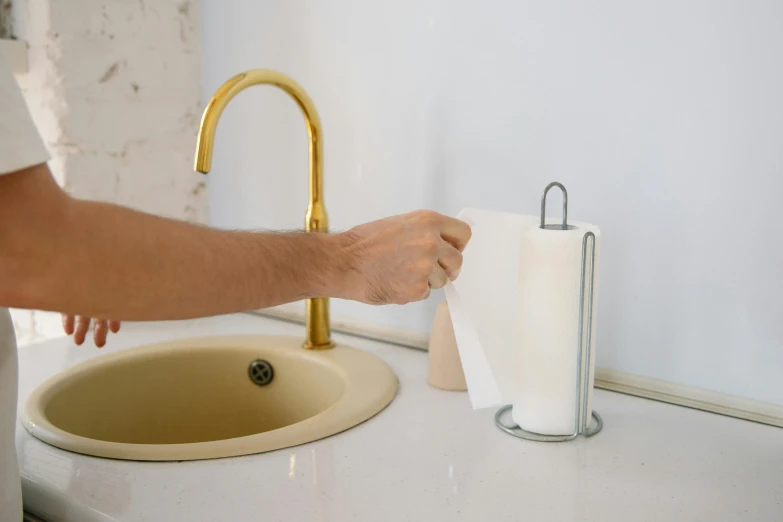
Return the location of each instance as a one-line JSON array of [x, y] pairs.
[[663, 120]]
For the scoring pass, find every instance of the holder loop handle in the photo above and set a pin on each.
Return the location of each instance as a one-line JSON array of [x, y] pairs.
[[565, 204]]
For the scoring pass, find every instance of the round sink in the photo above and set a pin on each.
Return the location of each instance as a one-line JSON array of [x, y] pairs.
[[208, 398]]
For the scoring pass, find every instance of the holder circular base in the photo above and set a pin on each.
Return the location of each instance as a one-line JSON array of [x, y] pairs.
[[518, 432]]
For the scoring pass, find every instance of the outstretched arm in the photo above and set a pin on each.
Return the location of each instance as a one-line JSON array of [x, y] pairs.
[[101, 260]]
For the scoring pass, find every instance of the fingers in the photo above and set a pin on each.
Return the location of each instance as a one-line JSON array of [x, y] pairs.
[[114, 326], [82, 327], [68, 324], [438, 278], [79, 326], [100, 333], [450, 259], [455, 232], [424, 295]]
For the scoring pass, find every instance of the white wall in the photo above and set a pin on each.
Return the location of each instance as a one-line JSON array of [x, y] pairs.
[[663, 119]]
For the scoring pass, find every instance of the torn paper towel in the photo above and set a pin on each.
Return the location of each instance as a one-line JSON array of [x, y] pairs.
[[482, 303]]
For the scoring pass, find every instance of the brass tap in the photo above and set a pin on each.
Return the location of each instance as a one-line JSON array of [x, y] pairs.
[[317, 311]]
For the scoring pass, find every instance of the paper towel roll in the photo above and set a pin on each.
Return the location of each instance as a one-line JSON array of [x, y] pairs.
[[547, 328]]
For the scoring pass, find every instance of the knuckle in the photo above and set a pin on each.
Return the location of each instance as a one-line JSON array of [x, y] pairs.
[[432, 244], [425, 267], [427, 216]]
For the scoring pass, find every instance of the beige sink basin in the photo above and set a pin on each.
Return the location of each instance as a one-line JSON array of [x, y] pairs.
[[200, 398]]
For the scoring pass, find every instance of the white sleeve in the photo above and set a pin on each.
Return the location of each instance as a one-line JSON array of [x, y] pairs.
[[20, 144]]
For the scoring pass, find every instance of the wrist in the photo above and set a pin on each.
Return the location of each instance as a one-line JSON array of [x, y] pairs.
[[338, 266]]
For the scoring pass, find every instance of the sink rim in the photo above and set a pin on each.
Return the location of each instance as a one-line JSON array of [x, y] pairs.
[[370, 386]]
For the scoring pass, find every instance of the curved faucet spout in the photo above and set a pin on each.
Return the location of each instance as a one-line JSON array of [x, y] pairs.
[[316, 220]]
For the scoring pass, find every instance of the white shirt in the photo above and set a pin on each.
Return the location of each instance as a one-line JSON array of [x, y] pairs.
[[20, 147]]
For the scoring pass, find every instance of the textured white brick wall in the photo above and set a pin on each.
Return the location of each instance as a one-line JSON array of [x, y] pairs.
[[114, 89]]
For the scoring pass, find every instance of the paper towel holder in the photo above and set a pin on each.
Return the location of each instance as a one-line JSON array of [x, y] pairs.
[[583, 357], [564, 225]]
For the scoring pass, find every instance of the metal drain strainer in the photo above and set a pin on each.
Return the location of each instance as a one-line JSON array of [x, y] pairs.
[[261, 372]]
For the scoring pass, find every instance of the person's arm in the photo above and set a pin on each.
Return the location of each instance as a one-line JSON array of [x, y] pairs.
[[101, 260]]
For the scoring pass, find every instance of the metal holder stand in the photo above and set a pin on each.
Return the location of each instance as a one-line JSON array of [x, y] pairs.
[[582, 425]]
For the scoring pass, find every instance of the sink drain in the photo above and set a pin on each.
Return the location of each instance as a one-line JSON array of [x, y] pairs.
[[261, 372]]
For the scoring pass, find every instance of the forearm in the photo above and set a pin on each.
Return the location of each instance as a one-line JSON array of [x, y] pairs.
[[103, 260]]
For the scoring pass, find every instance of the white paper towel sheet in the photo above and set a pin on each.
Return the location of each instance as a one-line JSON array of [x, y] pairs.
[[515, 311], [482, 303]]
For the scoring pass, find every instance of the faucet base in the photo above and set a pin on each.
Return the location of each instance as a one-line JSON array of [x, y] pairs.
[[307, 345]]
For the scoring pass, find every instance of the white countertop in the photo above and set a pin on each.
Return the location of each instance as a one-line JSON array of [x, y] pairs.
[[427, 457]]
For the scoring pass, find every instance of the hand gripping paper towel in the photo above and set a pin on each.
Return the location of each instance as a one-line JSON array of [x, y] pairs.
[[517, 308]]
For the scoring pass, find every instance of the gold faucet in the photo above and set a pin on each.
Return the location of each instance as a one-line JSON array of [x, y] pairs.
[[317, 311]]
